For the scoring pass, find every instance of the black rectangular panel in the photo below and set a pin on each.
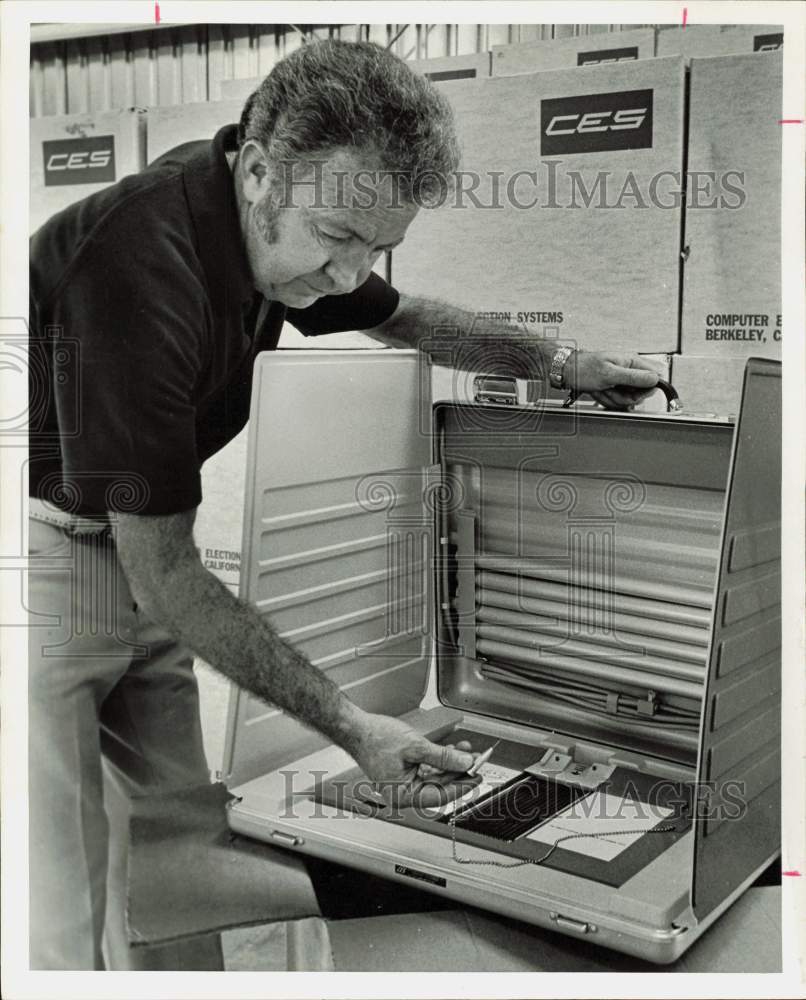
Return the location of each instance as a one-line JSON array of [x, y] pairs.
[[517, 809], [768, 43], [600, 56], [345, 791], [451, 74]]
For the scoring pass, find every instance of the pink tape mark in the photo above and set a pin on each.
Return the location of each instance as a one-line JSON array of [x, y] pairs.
[[685, 16], [792, 874], [157, 13], [790, 121]]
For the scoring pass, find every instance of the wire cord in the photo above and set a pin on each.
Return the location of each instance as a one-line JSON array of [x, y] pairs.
[[550, 851]]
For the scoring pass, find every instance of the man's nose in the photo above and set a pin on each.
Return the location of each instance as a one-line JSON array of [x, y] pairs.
[[348, 268]]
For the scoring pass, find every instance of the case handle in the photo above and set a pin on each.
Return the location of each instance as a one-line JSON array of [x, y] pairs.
[[672, 399]]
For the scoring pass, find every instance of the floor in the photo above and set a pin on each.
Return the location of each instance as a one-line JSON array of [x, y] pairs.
[[256, 949]]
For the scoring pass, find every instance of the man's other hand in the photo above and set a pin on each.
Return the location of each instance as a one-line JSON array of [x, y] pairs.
[[404, 768], [616, 381]]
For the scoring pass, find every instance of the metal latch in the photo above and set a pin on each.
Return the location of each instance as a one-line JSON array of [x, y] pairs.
[[577, 926], [286, 838], [553, 761], [500, 390]]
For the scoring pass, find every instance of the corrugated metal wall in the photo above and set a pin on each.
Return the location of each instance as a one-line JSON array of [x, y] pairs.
[[188, 63]]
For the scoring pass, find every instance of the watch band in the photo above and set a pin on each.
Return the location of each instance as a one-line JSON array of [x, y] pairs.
[[558, 360]]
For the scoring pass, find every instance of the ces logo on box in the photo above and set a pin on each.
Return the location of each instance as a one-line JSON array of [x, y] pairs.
[[596, 123], [87, 160], [768, 43]]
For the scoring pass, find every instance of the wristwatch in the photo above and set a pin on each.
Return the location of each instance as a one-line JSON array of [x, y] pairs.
[[558, 360]]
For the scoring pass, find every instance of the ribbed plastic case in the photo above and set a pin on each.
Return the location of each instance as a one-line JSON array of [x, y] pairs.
[[596, 594]]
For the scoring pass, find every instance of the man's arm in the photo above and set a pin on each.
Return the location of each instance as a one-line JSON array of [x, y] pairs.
[[169, 582], [456, 338]]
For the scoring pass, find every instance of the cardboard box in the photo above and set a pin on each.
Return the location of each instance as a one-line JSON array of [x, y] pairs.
[[73, 156], [563, 53], [239, 90], [175, 124], [732, 271], [708, 384], [440, 69], [534, 235], [703, 40]]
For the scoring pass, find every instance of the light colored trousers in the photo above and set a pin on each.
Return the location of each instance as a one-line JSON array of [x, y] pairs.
[[113, 713]]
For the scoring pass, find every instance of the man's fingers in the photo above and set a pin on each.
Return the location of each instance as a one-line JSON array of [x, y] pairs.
[[363, 808], [372, 792], [446, 758], [620, 398], [635, 378], [426, 770], [610, 399], [436, 792]]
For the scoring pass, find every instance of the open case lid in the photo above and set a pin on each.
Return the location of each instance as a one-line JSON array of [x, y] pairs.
[[336, 543], [740, 749]]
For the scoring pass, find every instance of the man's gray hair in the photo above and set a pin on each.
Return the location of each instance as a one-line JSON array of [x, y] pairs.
[[356, 94]]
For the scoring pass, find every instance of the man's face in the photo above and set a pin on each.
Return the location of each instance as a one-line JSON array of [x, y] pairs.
[[318, 232]]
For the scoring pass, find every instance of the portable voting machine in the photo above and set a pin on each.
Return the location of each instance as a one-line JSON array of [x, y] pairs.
[[594, 595]]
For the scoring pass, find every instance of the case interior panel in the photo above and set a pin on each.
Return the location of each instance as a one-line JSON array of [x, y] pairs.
[[522, 815], [581, 555]]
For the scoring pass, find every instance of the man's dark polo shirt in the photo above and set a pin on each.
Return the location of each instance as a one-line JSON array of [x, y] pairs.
[[143, 335]]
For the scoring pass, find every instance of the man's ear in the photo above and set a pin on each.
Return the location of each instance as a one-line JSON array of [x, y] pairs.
[[253, 170]]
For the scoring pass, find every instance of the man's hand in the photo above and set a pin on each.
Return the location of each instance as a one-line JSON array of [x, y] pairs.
[[617, 381], [515, 351], [408, 769]]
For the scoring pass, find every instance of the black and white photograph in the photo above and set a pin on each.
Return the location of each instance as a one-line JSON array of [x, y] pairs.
[[403, 520]]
